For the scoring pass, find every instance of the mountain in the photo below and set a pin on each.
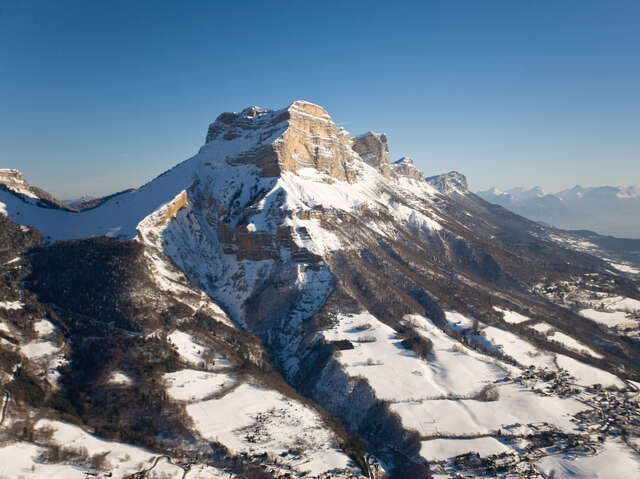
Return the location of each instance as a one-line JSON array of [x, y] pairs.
[[290, 303], [607, 210], [13, 181]]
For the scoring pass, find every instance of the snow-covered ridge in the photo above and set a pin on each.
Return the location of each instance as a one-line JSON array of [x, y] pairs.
[[246, 156]]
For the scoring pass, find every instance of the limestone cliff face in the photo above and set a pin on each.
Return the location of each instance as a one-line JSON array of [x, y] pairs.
[[373, 148], [405, 167], [313, 141], [308, 139]]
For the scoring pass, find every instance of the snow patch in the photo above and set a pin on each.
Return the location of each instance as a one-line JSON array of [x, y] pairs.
[[512, 317], [118, 378], [615, 461], [441, 449], [11, 304], [193, 385], [44, 328]]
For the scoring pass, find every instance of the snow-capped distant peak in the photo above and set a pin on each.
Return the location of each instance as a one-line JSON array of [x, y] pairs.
[[629, 192]]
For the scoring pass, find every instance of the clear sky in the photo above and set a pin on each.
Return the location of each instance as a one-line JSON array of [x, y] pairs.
[[99, 96]]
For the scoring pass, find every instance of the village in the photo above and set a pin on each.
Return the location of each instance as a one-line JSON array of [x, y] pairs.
[[594, 297], [609, 413]]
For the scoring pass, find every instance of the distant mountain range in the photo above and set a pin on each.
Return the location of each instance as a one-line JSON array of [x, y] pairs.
[[608, 210]]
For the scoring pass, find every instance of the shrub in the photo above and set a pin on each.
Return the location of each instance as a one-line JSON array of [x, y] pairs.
[[343, 344], [363, 327], [74, 455], [488, 393], [99, 461], [367, 339], [61, 403], [43, 435], [422, 346]]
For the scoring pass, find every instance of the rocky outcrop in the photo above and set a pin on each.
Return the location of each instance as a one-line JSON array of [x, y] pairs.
[[302, 135], [452, 182], [373, 148], [405, 167], [14, 180], [173, 207]]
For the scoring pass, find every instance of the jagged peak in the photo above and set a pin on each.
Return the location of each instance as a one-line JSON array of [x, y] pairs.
[[374, 134], [406, 167], [405, 160], [449, 182], [231, 125]]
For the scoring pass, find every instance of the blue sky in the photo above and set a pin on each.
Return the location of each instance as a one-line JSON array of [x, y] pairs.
[[100, 96]]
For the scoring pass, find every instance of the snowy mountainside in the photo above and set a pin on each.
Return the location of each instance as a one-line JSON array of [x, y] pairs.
[[411, 320], [133, 353]]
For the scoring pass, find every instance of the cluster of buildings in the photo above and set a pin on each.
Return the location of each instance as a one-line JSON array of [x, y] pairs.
[[607, 413]]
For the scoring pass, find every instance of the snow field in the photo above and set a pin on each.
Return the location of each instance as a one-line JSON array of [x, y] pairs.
[[512, 317], [614, 311], [615, 461], [187, 348], [522, 351], [543, 328], [571, 343], [528, 355], [21, 459], [397, 374], [587, 375], [516, 405], [118, 378], [192, 385], [11, 305], [458, 321], [36, 350], [255, 420], [620, 303], [625, 268], [441, 449], [44, 327], [4, 328], [418, 389], [611, 319]]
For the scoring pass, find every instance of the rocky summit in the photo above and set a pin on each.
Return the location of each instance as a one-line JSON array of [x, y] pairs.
[[300, 136], [291, 303]]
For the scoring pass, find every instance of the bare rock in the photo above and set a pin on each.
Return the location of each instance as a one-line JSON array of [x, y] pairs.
[[373, 148]]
